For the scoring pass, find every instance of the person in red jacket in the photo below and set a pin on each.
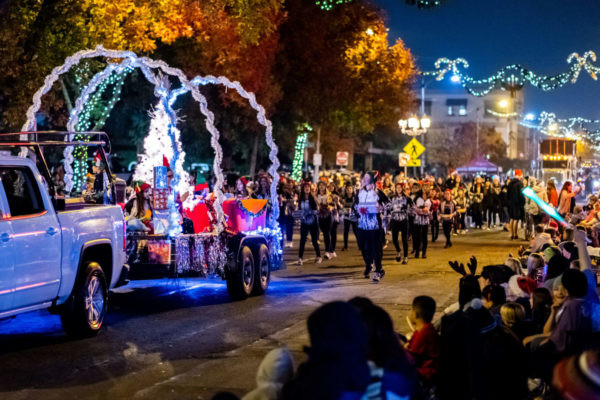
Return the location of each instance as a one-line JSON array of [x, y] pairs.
[[424, 345]]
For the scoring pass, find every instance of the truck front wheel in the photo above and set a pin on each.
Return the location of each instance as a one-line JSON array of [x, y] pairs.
[[84, 312], [241, 281]]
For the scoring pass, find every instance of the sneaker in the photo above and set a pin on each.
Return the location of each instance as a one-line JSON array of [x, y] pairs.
[[327, 256], [299, 262], [344, 248], [423, 256], [417, 255], [376, 277], [333, 255], [290, 244], [318, 260], [398, 257], [446, 245], [405, 260], [381, 273]]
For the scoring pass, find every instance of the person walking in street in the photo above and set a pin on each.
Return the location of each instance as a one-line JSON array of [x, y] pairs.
[[324, 204], [552, 193], [309, 224], [369, 225], [516, 204], [447, 215], [400, 204], [477, 192], [422, 209], [462, 204], [434, 197], [349, 214]]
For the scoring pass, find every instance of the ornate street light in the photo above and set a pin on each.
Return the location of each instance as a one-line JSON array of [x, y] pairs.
[[414, 126]]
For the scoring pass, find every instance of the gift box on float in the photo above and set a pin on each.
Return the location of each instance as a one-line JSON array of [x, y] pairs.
[[245, 215]]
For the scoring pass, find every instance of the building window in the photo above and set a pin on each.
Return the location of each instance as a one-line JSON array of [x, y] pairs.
[[456, 107]]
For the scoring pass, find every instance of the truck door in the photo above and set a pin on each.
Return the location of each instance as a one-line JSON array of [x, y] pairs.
[[7, 265], [36, 238]]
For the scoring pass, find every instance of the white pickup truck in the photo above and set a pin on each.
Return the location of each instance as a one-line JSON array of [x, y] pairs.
[[56, 255]]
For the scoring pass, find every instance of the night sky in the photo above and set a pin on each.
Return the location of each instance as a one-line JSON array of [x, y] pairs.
[[489, 34]]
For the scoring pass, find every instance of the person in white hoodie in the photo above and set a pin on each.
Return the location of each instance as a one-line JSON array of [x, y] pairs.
[[275, 370]]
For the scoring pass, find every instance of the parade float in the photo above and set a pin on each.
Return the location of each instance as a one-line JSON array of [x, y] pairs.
[[238, 240]]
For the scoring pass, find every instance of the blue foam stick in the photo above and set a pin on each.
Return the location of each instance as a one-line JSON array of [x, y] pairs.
[[548, 209]]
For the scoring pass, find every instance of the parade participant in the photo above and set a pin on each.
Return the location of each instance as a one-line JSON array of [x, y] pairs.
[[369, 225], [141, 210], [414, 192], [400, 204], [324, 204], [566, 199], [462, 204], [477, 192], [308, 222], [241, 188], [434, 197], [187, 225], [552, 193], [516, 204], [447, 215], [287, 206], [350, 217], [263, 191], [422, 209], [336, 208]]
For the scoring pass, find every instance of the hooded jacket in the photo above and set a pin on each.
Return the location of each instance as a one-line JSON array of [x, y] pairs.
[[275, 370]]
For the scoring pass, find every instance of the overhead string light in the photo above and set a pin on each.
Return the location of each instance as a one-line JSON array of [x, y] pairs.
[[549, 124], [514, 77]]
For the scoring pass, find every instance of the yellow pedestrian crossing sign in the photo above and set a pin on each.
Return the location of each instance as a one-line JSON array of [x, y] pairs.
[[414, 149], [414, 162]]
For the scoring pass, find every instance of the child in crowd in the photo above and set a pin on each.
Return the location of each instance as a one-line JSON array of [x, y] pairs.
[[424, 345]]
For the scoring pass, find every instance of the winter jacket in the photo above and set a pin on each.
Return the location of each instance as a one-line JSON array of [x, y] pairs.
[[275, 370]]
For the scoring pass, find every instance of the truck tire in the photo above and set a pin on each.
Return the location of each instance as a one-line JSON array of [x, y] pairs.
[[84, 312], [262, 266], [241, 281]]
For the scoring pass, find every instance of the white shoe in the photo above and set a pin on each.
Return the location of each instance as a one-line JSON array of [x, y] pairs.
[[333, 255], [318, 260], [376, 277], [327, 256], [299, 262], [289, 245]]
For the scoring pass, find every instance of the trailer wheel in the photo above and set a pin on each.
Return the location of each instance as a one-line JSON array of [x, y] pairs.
[[241, 281], [262, 262], [83, 313]]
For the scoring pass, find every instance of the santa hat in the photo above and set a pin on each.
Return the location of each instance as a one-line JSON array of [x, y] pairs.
[[199, 188], [518, 173], [166, 162], [97, 159], [140, 186], [526, 284], [553, 225], [243, 180]]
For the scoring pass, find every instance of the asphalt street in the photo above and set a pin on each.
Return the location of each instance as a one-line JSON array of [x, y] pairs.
[[184, 339]]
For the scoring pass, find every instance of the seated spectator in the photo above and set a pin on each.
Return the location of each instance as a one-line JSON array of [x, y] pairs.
[[541, 303], [569, 251], [513, 317], [493, 297], [424, 345], [577, 216], [556, 265], [535, 267], [337, 357], [519, 290], [540, 238], [275, 370], [392, 374], [569, 312]]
